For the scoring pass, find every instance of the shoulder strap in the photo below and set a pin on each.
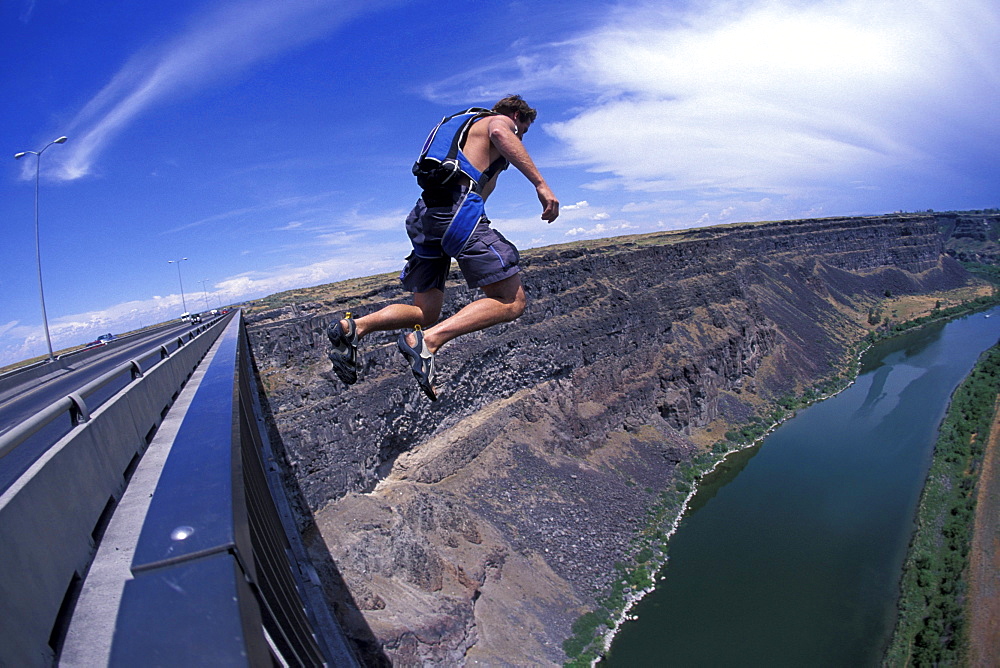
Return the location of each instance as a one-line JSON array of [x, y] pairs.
[[474, 113]]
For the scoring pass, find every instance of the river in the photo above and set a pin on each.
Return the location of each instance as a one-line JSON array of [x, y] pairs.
[[791, 551]]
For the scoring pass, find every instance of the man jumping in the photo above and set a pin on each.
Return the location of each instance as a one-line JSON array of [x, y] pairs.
[[448, 222]]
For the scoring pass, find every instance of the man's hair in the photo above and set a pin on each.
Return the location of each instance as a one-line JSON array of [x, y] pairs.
[[515, 104]]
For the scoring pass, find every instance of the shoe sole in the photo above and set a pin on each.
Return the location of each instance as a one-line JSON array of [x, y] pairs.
[[345, 371], [415, 362]]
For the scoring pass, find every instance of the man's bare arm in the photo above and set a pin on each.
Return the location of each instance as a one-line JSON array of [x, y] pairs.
[[503, 136]]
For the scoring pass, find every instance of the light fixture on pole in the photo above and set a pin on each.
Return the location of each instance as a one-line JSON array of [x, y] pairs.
[[38, 250], [178, 263]]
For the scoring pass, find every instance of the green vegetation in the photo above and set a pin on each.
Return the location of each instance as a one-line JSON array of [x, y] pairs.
[[972, 306], [874, 315], [585, 645], [931, 629]]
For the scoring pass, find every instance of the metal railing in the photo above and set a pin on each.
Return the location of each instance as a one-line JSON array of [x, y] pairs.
[[10, 380], [78, 405], [218, 575], [219, 542]]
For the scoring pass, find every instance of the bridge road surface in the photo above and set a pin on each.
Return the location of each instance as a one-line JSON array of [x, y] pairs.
[[24, 401]]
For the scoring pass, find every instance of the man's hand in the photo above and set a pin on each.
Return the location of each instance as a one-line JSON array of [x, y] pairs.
[[550, 205]]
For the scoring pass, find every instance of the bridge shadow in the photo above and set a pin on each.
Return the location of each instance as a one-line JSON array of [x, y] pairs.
[[338, 597]]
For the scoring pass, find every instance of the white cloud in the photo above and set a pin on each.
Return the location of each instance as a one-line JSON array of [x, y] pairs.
[[601, 230], [844, 106], [220, 44], [781, 97]]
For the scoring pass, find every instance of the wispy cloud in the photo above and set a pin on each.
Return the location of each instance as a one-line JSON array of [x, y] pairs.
[[304, 205], [773, 96], [537, 70], [220, 44], [748, 100], [27, 11]]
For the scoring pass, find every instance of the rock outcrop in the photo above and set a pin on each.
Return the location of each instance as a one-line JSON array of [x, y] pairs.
[[972, 236], [479, 527]]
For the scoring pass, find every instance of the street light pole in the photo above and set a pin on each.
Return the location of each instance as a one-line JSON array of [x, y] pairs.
[[38, 248], [178, 263], [204, 293]]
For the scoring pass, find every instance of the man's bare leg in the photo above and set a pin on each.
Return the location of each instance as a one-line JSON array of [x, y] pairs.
[[504, 301], [424, 311]]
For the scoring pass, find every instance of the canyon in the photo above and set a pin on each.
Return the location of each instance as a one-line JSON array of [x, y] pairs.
[[479, 528]]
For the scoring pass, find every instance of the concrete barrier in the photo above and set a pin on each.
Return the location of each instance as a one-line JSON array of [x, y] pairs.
[[51, 515]]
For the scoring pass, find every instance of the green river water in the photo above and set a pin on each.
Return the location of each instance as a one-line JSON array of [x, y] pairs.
[[791, 551]]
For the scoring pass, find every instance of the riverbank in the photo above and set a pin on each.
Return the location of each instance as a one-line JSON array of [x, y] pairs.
[[933, 626], [638, 582], [751, 434]]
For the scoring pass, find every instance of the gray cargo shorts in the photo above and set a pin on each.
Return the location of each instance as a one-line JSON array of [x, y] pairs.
[[486, 258]]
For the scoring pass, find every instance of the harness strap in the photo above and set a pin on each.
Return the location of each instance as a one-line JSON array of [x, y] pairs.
[[454, 161], [467, 215]]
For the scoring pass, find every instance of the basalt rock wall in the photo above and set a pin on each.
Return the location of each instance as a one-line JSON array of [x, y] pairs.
[[478, 527]]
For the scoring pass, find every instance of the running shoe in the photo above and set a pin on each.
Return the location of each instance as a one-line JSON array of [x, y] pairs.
[[345, 350], [421, 362]]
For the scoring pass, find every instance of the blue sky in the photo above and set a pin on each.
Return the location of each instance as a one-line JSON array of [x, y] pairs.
[[270, 142]]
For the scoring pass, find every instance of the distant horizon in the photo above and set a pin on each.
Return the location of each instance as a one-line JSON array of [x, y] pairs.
[[6, 365]]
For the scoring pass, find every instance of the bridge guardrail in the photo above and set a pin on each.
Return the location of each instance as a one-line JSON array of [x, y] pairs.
[[14, 378], [42, 368], [78, 405], [219, 523], [51, 514]]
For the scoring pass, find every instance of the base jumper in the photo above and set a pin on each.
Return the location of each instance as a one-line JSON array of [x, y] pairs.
[[457, 171]]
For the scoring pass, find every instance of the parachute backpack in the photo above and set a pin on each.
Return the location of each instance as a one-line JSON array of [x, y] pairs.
[[441, 157]]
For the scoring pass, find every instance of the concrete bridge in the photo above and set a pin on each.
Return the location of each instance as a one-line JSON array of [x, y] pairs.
[[156, 530]]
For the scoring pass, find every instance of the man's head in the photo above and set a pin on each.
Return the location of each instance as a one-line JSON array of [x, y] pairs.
[[515, 107]]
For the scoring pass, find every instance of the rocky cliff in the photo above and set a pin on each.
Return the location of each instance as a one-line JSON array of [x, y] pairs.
[[971, 236], [479, 527]]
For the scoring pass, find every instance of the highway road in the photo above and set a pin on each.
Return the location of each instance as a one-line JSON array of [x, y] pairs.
[[27, 400]]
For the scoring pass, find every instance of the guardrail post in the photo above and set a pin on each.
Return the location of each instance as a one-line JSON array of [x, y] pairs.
[[78, 410]]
